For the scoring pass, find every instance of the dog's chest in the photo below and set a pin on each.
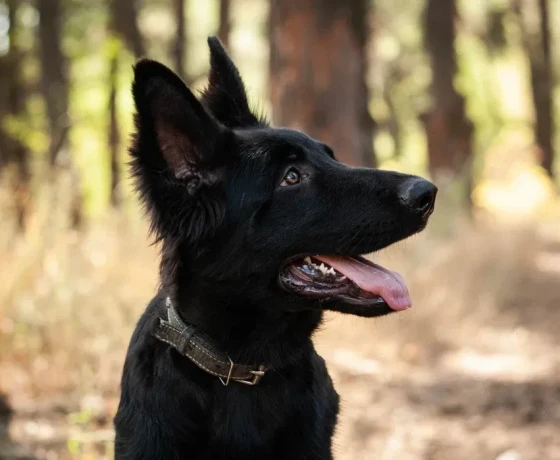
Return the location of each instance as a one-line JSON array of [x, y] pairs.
[[246, 422], [250, 416]]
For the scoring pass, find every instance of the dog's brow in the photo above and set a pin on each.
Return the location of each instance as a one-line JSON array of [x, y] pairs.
[[260, 151]]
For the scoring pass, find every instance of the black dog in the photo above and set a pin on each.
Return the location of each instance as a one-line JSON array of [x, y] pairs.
[[261, 231]]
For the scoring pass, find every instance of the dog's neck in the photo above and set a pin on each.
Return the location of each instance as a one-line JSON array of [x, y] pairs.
[[247, 333]]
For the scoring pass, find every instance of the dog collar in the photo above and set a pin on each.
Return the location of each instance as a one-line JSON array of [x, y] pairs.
[[195, 345]]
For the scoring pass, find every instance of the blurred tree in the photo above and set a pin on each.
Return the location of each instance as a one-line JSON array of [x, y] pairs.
[[114, 137], [399, 78], [180, 38], [125, 18], [495, 34], [123, 23], [55, 88], [393, 78], [449, 131], [535, 27], [317, 73], [225, 22], [54, 79], [12, 105]]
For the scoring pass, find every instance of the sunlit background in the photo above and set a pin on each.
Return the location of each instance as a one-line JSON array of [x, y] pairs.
[[465, 92]]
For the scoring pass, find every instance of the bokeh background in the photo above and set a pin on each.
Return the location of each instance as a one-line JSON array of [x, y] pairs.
[[466, 92]]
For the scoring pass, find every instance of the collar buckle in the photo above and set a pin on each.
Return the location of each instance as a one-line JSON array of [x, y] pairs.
[[258, 375], [190, 342]]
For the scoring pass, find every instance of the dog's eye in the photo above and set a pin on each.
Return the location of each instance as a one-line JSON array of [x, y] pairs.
[[292, 177]]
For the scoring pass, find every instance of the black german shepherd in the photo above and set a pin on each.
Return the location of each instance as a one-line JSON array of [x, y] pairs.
[[262, 229]]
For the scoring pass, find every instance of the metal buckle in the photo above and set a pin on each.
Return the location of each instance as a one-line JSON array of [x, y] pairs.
[[257, 376], [226, 383]]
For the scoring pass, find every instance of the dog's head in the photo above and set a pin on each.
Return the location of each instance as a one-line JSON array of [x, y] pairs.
[[261, 215]]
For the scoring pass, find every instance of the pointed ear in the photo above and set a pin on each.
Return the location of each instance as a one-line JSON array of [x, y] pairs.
[[225, 95], [175, 133]]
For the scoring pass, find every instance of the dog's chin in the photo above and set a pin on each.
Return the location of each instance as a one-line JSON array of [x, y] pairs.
[[350, 285], [368, 311]]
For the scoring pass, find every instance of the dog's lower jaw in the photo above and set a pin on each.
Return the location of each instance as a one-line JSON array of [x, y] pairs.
[[365, 311]]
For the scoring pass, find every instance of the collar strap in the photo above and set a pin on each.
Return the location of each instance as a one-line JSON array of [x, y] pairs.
[[193, 344]]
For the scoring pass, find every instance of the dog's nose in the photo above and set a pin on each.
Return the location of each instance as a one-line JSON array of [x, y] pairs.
[[419, 194]]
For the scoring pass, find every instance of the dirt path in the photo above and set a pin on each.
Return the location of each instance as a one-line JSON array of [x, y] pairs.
[[466, 405], [492, 392]]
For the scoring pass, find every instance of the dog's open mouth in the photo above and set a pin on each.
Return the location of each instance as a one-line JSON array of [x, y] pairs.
[[353, 280]]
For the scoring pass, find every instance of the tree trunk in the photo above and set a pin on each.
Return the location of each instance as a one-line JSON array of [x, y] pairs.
[[179, 45], [114, 135], [449, 131], [125, 17], [16, 98], [123, 23], [317, 73], [54, 79], [12, 97], [55, 88], [535, 24], [225, 22]]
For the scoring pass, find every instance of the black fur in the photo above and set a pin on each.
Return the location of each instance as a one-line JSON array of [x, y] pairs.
[[209, 173]]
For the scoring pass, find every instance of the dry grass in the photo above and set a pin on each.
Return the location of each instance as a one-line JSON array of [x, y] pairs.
[[469, 372]]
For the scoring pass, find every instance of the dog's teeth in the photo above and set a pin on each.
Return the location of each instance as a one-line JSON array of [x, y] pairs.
[[343, 277], [331, 271], [307, 260]]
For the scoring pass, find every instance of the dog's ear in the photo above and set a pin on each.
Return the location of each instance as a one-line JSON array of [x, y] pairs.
[[175, 133], [178, 152], [225, 95]]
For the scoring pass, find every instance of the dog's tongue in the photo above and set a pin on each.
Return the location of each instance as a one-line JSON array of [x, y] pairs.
[[372, 278]]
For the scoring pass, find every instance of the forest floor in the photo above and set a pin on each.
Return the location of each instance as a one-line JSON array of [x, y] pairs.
[[471, 372]]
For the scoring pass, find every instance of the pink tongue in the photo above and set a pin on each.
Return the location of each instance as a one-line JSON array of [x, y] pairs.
[[372, 278]]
